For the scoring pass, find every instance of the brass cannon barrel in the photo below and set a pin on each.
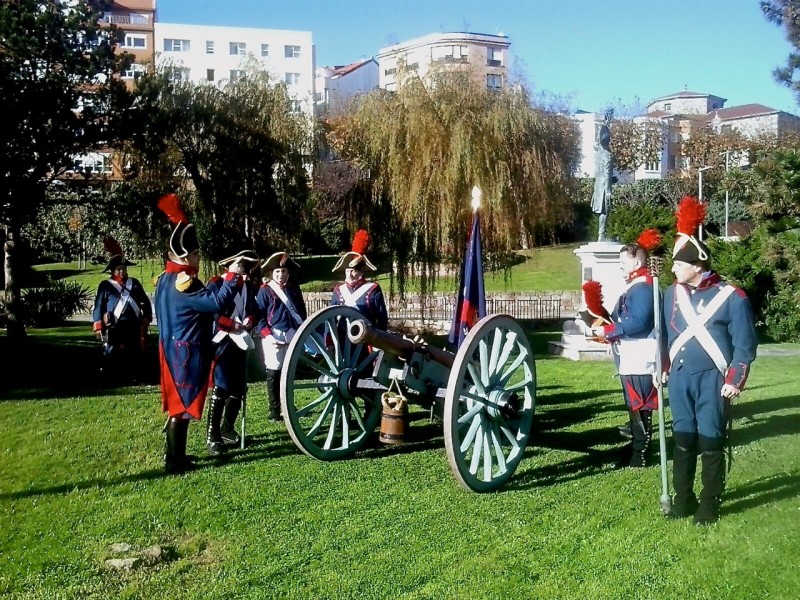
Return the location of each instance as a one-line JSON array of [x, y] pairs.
[[362, 332]]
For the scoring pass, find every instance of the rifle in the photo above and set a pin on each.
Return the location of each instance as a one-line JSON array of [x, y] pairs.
[[666, 501]]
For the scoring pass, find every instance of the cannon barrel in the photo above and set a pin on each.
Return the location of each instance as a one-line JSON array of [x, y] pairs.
[[362, 332]]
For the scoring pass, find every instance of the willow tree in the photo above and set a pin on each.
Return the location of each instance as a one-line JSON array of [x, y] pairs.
[[425, 147]]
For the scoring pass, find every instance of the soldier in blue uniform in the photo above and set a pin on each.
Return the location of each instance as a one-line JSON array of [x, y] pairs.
[[185, 310], [633, 345], [232, 341], [281, 311], [711, 339], [121, 315], [365, 296]]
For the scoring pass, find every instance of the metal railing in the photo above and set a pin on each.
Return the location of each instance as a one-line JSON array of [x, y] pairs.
[[442, 308]]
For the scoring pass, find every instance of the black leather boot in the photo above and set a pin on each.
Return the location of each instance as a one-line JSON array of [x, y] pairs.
[[274, 394], [228, 429], [712, 458], [641, 428], [684, 466], [214, 443], [175, 459]]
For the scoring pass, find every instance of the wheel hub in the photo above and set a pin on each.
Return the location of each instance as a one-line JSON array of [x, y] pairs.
[[503, 404]]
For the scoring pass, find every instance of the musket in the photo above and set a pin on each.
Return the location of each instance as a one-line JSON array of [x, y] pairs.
[[666, 501]]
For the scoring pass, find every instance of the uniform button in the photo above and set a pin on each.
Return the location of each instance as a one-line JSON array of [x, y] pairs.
[[683, 349], [681, 361]]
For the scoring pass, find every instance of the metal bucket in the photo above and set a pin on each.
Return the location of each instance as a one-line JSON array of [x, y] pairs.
[[394, 419]]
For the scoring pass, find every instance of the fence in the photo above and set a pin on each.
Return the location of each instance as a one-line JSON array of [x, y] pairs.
[[440, 307]]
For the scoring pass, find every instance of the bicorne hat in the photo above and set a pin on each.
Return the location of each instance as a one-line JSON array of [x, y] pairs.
[[690, 214], [183, 240], [116, 256], [279, 260], [355, 259]]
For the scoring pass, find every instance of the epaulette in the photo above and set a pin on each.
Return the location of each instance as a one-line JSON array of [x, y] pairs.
[[157, 277], [183, 282]]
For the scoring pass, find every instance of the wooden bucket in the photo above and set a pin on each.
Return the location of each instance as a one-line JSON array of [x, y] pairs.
[[394, 418]]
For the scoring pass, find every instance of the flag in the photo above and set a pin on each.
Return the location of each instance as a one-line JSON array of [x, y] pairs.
[[471, 301]]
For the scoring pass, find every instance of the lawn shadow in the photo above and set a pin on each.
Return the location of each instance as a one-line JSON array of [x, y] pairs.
[[748, 410], [760, 492]]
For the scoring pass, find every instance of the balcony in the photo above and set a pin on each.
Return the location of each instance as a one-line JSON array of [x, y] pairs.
[[138, 19], [451, 60], [494, 63]]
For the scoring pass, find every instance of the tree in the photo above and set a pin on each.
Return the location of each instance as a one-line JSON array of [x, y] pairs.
[[59, 96], [244, 149], [428, 144], [786, 14], [634, 144]]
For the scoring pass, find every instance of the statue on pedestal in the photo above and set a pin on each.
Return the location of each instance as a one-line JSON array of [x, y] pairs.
[[601, 198]]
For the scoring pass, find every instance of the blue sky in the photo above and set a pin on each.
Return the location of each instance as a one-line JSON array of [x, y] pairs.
[[591, 52]]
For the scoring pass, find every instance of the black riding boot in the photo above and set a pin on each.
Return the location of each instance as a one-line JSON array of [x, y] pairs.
[[274, 394], [684, 466], [214, 443], [228, 429], [712, 458], [641, 428], [175, 459]]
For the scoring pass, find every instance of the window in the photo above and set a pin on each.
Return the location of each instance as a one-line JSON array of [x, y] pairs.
[[449, 54], [652, 165], [177, 74], [209, 46], [667, 105], [134, 41], [672, 163], [264, 49], [209, 74], [237, 74], [171, 45], [291, 51], [238, 48], [391, 71], [95, 163], [134, 71], [292, 78], [494, 82], [494, 57], [294, 106]]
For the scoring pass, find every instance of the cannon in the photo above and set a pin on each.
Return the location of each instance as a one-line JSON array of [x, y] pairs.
[[338, 365]]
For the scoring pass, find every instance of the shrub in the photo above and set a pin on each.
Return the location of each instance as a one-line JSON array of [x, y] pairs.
[[54, 304]]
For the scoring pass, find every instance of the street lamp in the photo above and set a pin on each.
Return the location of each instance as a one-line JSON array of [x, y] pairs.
[[700, 191], [727, 199]]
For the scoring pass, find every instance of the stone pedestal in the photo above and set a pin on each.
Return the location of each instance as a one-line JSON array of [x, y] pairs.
[[600, 262]]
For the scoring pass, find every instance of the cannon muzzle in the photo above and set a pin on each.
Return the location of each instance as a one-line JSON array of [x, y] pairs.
[[362, 332]]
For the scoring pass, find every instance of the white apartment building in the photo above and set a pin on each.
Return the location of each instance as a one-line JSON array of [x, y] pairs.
[[336, 85], [487, 54], [203, 53]]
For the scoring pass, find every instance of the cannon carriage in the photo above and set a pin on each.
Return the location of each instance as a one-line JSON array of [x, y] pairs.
[[337, 367]]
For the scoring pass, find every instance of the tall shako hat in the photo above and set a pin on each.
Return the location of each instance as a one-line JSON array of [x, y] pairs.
[[355, 259], [183, 240], [248, 258], [277, 261], [116, 255], [690, 214]]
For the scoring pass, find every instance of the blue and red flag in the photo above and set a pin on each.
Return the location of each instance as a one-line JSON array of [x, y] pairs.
[[471, 301]]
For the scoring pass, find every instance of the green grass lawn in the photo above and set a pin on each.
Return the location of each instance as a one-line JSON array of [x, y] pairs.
[[543, 269], [80, 469]]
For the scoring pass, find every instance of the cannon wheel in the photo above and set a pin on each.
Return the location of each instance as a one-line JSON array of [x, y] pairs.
[[325, 418], [488, 410]]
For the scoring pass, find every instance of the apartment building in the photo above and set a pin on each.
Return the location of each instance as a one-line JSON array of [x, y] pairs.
[[679, 116], [486, 54], [216, 55], [334, 86], [136, 19]]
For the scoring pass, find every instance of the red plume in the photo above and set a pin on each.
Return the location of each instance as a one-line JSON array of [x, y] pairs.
[[112, 246], [690, 213], [170, 205], [361, 241], [593, 296], [649, 239]]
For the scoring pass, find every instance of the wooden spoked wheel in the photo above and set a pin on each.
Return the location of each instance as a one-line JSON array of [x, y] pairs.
[[489, 405], [326, 416]]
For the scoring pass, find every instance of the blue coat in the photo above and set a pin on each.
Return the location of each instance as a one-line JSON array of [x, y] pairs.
[[371, 304], [230, 361], [272, 312], [108, 296], [185, 309]]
